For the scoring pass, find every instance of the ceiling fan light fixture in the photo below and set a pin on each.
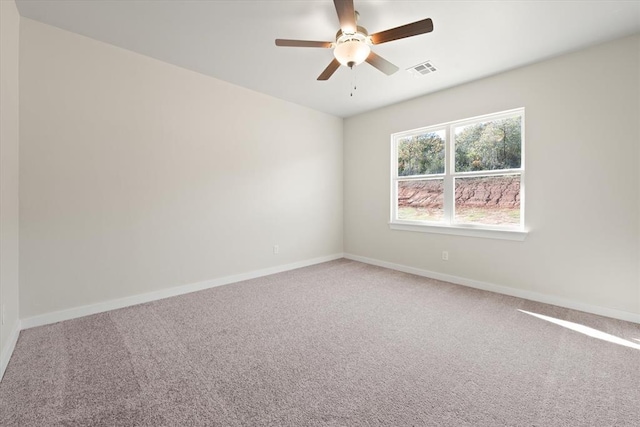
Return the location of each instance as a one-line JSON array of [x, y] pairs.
[[353, 42], [351, 52]]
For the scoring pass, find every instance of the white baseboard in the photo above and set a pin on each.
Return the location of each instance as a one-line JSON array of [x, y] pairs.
[[520, 293], [7, 351], [87, 310], [73, 313]]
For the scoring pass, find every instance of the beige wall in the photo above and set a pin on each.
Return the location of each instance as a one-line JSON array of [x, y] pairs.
[[582, 187], [137, 175], [9, 31]]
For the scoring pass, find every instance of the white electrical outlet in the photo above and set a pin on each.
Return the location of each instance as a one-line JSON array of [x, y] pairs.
[[445, 255], [276, 249]]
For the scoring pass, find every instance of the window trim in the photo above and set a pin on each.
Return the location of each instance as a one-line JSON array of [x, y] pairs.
[[507, 232]]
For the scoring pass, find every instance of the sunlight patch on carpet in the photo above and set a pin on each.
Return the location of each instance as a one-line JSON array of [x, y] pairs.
[[586, 330]]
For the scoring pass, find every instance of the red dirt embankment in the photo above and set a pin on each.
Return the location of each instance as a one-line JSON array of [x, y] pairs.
[[488, 192]]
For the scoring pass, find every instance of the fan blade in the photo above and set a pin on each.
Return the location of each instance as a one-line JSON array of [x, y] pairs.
[[302, 43], [409, 30], [346, 15], [328, 72], [381, 64]]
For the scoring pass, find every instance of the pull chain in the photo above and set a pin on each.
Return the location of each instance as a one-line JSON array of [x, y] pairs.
[[353, 81]]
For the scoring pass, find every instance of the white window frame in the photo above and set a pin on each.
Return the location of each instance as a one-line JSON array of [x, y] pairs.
[[448, 226]]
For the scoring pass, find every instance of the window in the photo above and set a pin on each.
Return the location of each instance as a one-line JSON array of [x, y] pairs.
[[464, 177]]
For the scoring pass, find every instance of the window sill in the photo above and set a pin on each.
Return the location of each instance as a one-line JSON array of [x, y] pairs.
[[457, 230]]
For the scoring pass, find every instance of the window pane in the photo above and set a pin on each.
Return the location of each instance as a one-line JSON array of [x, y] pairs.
[[491, 145], [421, 200], [491, 200], [421, 154]]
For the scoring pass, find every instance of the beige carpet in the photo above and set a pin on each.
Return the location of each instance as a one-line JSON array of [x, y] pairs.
[[336, 344]]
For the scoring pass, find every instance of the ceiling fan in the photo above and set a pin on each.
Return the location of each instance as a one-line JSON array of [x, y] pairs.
[[353, 42]]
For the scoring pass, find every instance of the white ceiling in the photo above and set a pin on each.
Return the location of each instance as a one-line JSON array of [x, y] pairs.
[[234, 40]]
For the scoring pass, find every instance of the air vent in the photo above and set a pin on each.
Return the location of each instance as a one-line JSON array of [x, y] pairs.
[[422, 69]]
